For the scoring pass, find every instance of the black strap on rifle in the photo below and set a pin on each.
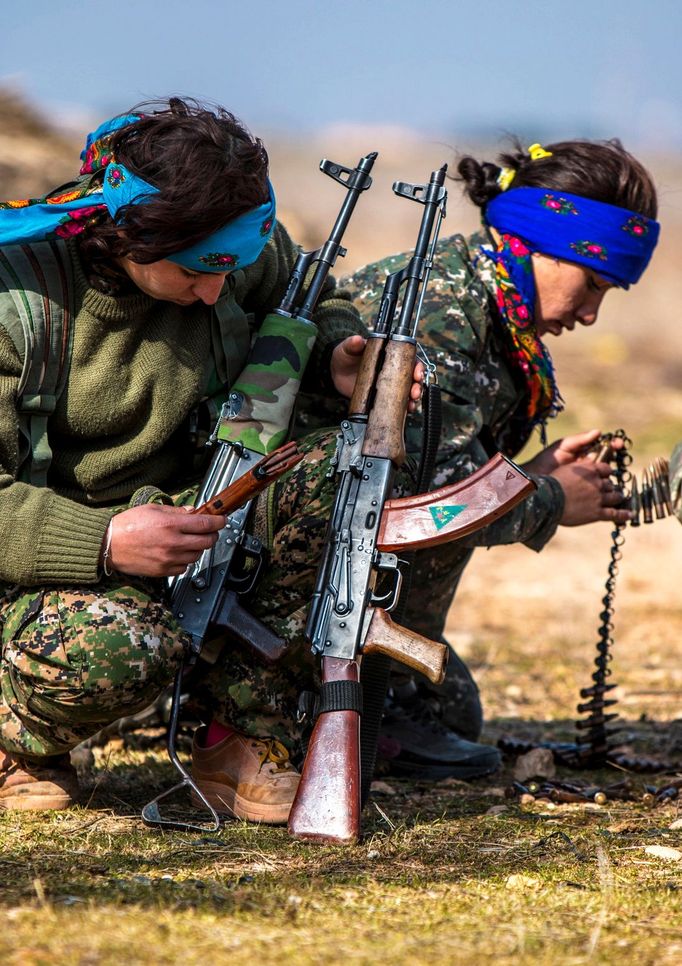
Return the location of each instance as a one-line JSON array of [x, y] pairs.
[[375, 669], [333, 696]]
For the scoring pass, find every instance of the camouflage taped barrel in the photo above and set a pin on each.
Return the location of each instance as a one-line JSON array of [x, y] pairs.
[[269, 384]]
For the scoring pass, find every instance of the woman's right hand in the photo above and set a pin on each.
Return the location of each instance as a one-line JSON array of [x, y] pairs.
[[160, 541], [589, 493]]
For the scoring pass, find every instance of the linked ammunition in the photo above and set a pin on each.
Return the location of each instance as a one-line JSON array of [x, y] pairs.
[[657, 493], [647, 498], [635, 503]]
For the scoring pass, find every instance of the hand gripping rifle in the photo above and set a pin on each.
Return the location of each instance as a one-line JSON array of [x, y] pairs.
[[252, 424], [349, 613]]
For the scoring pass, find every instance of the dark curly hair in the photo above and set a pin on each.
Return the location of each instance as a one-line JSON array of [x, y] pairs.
[[208, 168], [600, 170]]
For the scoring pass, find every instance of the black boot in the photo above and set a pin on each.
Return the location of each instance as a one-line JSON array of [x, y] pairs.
[[456, 702], [414, 742]]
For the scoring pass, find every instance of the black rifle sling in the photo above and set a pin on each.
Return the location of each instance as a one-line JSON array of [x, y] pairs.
[[375, 669]]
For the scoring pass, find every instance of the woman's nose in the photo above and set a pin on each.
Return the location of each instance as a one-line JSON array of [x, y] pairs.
[[208, 287], [588, 312]]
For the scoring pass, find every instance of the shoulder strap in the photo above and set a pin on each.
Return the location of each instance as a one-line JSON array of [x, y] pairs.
[[40, 279]]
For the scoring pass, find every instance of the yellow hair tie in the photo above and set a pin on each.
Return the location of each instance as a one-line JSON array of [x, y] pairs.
[[537, 151], [505, 178]]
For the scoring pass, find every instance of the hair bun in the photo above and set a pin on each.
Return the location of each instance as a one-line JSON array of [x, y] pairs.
[[480, 180]]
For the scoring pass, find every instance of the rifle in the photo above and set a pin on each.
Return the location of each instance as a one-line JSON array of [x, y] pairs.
[[348, 615], [246, 460]]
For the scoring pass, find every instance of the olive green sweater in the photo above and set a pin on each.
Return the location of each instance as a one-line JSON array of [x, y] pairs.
[[139, 367]]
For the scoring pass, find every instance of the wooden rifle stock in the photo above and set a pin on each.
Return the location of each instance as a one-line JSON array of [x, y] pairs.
[[327, 804], [454, 511], [384, 636]]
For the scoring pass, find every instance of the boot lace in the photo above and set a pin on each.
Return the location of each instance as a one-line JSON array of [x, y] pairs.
[[275, 752]]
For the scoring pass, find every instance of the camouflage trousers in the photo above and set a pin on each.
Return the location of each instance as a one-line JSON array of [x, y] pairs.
[[74, 659]]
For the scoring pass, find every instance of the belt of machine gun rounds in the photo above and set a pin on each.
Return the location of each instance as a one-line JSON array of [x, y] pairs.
[[647, 501]]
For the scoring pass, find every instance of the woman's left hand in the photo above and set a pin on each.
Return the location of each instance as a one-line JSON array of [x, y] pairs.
[[345, 365], [565, 451]]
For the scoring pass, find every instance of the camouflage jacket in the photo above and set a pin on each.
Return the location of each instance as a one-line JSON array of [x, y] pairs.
[[483, 400]]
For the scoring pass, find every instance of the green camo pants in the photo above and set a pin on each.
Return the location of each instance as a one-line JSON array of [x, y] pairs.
[[75, 659]]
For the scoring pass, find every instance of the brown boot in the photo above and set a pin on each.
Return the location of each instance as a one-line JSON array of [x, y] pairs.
[[26, 785], [249, 778]]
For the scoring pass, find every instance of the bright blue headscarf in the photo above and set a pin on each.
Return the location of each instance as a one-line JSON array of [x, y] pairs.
[[235, 245], [614, 242]]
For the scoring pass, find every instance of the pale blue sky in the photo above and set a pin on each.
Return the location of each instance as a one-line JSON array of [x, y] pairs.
[[590, 67]]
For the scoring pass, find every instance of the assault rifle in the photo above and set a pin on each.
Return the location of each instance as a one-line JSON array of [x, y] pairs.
[[252, 423], [349, 616]]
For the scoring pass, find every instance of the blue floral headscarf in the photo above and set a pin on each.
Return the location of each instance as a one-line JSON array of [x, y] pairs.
[[62, 215]]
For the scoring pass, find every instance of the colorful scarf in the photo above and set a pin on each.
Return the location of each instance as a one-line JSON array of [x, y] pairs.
[[524, 349], [614, 242], [68, 213]]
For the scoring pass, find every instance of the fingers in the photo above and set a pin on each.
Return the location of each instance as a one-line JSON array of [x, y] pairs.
[[580, 441], [201, 523], [604, 469], [615, 516], [354, 345]]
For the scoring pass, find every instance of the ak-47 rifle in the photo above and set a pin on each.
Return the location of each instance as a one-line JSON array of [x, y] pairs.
[[246, 460], [348, 614]]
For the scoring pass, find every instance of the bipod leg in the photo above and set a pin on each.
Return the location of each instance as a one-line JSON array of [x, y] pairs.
[[151, 814]]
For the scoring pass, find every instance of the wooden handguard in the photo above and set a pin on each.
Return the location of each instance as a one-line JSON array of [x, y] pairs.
[[259, 478], [327, 804], [428, 519], [386, 637], [369, 366], [385, 428]]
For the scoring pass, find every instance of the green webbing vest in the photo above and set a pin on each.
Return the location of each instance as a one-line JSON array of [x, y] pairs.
[[39, 277]]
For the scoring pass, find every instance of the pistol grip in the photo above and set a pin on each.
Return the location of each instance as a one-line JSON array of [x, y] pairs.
[[248, 629], [384, 636]]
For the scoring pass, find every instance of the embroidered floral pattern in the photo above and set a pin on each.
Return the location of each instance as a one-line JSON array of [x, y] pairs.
[[562, 206], [265, 227], [637, 226], [590, 249], [219, 260], [115, 176], [76, 221], [24, 203], [525, 350], [96, 157], [64, 198]]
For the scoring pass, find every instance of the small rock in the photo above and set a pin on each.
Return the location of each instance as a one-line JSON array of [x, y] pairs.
[[527, 799], [664, 852], [676, 824], [373, 854], [82, 758], [382, 788], [536, 763], [497, 810], [451, 782], [522, 883]]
